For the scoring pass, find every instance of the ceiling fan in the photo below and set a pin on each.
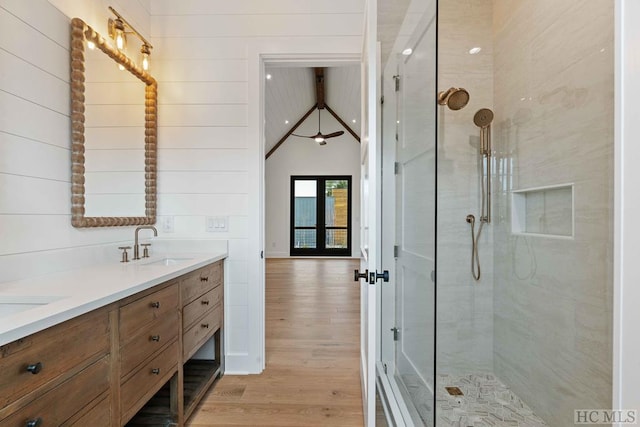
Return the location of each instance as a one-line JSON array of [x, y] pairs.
[[321, 138]]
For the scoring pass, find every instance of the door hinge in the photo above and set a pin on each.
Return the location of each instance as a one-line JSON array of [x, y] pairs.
[[396, 250], [261, 254], [397, 79], [382, 100], [396, 334], [396, 168], [384, 366]]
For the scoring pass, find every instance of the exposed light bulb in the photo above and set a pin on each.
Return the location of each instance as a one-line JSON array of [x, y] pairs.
[[475, 50], [353, 121], [286, 122], [268, 76], [146, 51], [319, 139], [120, 67], [91, 45], [408, 51], [120, 41]]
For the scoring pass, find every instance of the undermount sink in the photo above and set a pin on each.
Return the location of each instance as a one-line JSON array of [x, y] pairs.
[[10, 305], [168, 261]]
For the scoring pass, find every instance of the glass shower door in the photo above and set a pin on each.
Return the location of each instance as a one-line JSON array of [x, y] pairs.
[[411, 371]]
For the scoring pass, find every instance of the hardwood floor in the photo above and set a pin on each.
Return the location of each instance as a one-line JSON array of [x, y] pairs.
[[312, 376]]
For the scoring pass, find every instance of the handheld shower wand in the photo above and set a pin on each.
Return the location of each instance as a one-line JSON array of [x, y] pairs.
[[482, 119]]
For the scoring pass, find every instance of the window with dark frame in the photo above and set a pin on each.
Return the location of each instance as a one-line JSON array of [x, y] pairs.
[[320, 215]]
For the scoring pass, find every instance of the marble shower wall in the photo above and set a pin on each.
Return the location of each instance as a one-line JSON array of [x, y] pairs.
[[465, 307], [553, 99]]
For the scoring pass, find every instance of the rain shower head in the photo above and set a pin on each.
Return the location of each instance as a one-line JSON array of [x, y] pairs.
[[456, 98], [483, 117]]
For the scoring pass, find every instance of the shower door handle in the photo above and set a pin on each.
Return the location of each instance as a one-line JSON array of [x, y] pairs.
[[357, 275], [373, 276]]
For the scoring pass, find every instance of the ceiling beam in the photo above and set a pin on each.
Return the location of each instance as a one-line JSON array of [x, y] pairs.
[[342, 122], [320, 87], [292, 130]]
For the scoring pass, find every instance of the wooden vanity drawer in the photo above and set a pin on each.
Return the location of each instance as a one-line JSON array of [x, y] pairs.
[[147, 381], [200, 282], [97, 416], [201, 331], [148, 341], [145, 310], [51, 353], [61, 403], [199, 306]]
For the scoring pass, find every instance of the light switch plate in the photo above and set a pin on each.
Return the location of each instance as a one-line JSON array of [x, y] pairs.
[[216, 224]]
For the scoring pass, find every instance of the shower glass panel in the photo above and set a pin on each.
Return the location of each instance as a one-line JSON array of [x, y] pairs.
[[514, 104], [408, 346]]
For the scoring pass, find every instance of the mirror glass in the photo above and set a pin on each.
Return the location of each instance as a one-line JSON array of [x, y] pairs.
[[113, 118], [113, 138]]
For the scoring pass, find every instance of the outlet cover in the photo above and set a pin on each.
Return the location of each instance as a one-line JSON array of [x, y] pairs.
[[167, 223]]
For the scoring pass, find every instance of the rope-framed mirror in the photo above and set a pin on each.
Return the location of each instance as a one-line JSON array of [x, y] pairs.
[[115, 185]]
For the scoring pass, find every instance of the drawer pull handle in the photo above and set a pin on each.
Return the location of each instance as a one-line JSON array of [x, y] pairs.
[[155, 304], [204, 279], [205, 302], [34, 368], [34, 422], [155, 371], [205, 325], [155, 338]]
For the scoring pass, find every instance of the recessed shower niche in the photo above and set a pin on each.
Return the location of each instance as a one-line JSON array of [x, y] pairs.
[[543, 211]]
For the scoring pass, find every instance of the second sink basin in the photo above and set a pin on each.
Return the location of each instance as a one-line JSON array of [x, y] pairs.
[[10, 305]]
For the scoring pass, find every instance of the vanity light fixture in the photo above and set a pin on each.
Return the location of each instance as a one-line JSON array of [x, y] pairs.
[[145, 50], [118, 30]]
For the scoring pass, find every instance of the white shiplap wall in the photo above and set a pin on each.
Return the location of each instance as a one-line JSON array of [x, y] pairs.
[[35, 220], [202, 63]]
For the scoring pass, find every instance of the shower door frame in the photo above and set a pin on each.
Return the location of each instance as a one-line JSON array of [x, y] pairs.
[[396, 394]]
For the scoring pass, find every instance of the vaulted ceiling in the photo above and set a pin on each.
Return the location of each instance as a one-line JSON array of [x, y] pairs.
[[291, 92]]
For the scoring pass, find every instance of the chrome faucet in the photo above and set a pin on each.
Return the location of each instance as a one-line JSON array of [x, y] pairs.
[[136, 247]]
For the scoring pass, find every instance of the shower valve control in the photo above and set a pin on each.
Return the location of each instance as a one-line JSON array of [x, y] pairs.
[[357, 275], [373, 276]]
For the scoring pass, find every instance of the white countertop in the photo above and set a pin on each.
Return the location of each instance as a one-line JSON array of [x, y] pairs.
[[77, 292]]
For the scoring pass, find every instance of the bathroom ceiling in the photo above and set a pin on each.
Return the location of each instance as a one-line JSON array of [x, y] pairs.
[[291, 92], [391, 15]]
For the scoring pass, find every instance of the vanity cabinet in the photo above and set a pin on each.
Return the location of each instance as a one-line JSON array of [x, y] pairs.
[[106, 367], [202, 309], [202, 318], [148, 347], [50, 376]]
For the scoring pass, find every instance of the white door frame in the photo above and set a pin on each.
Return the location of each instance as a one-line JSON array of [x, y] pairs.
[[626, 296], [295, 52]]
